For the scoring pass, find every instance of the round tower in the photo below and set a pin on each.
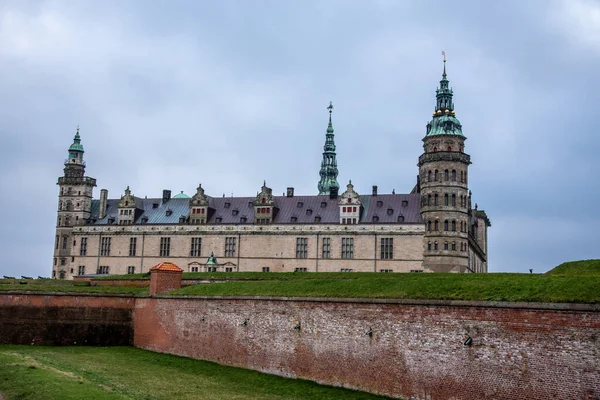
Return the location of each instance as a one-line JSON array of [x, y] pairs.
[[443, 172]]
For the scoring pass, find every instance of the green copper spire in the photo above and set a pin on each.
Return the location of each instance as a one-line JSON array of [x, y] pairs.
[[329, 171], [76, 146], [444, 120]]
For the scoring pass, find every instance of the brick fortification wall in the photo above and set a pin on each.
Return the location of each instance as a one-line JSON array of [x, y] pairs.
[[415, 350], [66, 320]]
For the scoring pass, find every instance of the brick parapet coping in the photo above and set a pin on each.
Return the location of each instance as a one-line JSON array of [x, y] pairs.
[[408, 302]]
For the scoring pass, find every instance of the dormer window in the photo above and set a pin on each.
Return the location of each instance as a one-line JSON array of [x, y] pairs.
[[243, 220], [390, 211], [227, 205], [169, 212], [294, 219], [300, 204], [154, 205], [263, 201], [404, 203], [400, 218], [379, 203], [181, 219], [317, 219], [234, 212], [218, 219], [375, 218], [309, 212], [144, 219], [323, 204], [250, 204], [126, 203], [349, 199], [111, 221]]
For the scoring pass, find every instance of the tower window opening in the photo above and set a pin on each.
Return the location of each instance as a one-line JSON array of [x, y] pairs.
[[435, 149], [453, 200], [454, 246], [435, 177], [429, 246], [428, 226], [446, 199], [428, 199], [453, 175], [429, 176], [446, 175], [453, 226], [435, 199], [449, 148], [435, 245], [446, 226], [445, 245], [437, 226]]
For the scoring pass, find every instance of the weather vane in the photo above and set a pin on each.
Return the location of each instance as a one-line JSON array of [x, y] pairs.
[[444, 54], [330, 107]]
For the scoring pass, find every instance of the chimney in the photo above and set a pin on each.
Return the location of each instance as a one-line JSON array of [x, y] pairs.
[[333, 193], [103, 201], [166, 196], [290, 192], [374, 190]]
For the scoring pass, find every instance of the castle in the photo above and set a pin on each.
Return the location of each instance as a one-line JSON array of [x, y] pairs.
[[432, 229]]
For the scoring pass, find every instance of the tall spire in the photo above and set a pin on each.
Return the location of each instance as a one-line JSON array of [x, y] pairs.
[[329, 171], [444, 120], [76, 146]]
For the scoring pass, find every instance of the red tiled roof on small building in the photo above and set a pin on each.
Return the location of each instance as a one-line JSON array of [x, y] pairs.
[[166, 266]]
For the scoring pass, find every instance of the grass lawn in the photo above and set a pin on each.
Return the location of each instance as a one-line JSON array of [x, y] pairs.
[[110, 373], [47, 286]]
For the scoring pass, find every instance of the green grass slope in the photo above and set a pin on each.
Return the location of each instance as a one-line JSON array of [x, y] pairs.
[[590, 268], [115, 373]]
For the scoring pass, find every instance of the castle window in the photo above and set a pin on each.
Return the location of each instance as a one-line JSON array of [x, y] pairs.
[[132, 246], [428, 245], [446, 226], [131, 270], [266, 269], [102, 270], [437, 226], [387, 248], [400, 218], [453, 226], [294, 219], [300, 204], [323, 204], [453, 175], [449, 148], [343, 221], [165, 246], [379, 203], [126, 203], [429, 176], [56, 242], [446, 175], [435, 149], [428, 226], [218, 219], [435, 199], [404, 203], [243, 219], [462, 178], [195, 246], [263, 200], [445, 245], [81, 270], [144, 219], [83, 247], [64, 244], [301, 247], [435, 245], [343, 209], [390, 211], [234, 212], [317, 219], [446, 199], [268, 211], [154, 205], [428, 199], [454, 246], [347, 248], [326, 253], [230, 247], [309, 212], [227, 205], [375, 218], [202, 210], [350, 200], [105, 246], [435, 175]]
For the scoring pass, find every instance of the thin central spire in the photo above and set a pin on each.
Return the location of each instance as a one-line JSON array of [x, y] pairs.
[[329, 171]]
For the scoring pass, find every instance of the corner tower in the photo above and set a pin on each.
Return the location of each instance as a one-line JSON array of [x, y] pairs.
[[74, 208], [443, 172], [329, 171]]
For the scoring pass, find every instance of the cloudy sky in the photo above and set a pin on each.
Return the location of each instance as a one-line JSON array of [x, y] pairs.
[[230, 93]]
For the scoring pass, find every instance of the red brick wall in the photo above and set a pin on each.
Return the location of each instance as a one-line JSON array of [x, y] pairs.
[[416, 351], [164, 281], [66, 319]]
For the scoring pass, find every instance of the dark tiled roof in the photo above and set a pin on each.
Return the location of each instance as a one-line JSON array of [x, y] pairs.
[[383, 208]]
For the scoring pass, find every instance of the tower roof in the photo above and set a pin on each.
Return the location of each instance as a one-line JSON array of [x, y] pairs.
[[444, 121], [76, 146], [329, 171], [181, 196]]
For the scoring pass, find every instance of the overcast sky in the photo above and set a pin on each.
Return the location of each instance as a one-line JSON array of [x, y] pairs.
[[169, 94]]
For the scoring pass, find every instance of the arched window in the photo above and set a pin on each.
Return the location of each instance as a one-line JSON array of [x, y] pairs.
[[453, 200], [446, 199], [435, 177], [437, 225], [445, 245], [449, 148], [466, 180], [435, 149], [453, 175], [453, 226], [64, 243], [454, 246], [428, 226], [446, 226], [462, 177], [446, 175], [435, 245], [435, 199], [428, 199], [429, 176], [429, 246]]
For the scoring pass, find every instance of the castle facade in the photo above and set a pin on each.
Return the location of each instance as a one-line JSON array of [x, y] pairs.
[[431, 229]]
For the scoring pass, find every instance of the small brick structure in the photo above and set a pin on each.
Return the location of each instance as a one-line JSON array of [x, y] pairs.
[[164, 277]]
